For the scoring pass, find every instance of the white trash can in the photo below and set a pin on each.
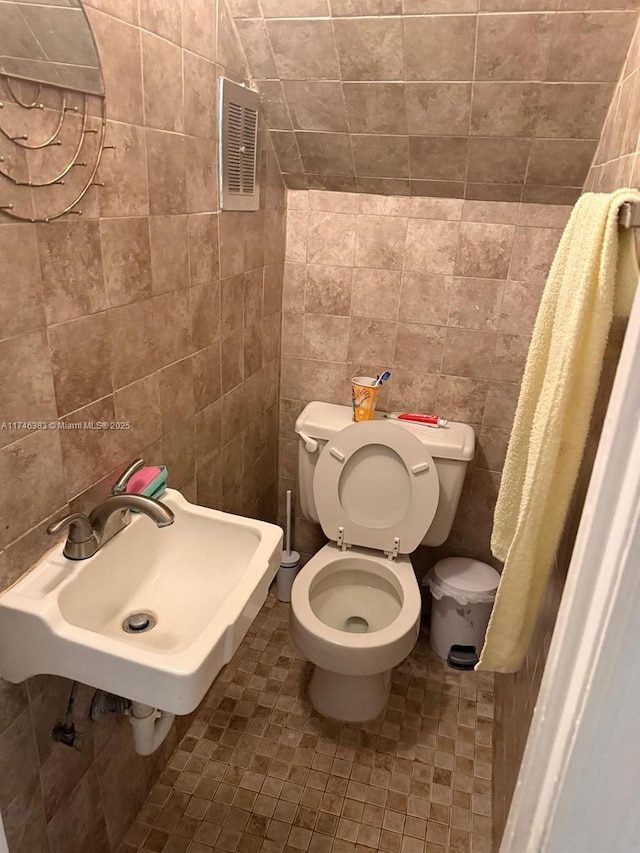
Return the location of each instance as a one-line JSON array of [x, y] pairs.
[[463, 593]]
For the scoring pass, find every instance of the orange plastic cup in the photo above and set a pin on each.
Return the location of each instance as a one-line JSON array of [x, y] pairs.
[[364, 397]]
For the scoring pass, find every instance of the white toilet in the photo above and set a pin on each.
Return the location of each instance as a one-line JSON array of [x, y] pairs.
[[379, 489]]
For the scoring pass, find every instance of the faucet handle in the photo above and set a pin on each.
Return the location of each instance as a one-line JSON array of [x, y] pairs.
[[80, 529], [81, 542], [120, 485]]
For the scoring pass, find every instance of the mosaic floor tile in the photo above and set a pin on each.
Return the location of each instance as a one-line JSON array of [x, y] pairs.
[[260, 771]]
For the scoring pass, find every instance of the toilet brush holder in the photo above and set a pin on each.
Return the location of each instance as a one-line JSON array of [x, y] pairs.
[[289, 568], [289, 562]]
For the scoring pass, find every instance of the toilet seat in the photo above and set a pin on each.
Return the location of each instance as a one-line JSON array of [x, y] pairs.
[[357, 473]]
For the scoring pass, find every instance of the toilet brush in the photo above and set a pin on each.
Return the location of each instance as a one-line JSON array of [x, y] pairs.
[[289, 561]]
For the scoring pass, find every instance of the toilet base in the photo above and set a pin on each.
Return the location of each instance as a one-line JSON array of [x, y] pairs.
[[349, 698]]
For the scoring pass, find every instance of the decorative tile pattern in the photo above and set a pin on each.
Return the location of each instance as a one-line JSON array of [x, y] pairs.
[[261, 771], [421, 97]]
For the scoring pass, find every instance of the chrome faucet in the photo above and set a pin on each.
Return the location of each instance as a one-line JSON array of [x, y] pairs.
[[120, 485], [87, 532]]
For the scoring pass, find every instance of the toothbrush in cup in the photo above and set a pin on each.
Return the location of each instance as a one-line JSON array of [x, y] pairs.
[[382, 378]]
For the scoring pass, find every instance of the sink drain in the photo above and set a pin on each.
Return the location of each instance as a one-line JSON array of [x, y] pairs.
[[356, 625], [138, 623]]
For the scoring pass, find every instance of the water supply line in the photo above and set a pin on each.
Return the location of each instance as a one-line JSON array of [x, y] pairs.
[[66, 733], [150, 727]]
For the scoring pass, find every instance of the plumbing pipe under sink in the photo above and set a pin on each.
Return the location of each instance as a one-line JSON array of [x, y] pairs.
[[150, 727]]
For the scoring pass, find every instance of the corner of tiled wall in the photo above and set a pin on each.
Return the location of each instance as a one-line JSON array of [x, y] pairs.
[[443, 292], [617, 161]]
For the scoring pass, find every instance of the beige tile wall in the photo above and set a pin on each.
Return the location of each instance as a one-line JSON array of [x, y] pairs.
[[496, 100], [615, 165], [152, 308], [617, 160], [440, 291]]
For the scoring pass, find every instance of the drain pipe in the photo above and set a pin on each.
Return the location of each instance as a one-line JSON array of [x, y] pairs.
[[150, 727]]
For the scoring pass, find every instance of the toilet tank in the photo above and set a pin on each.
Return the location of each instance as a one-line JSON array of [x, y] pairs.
[[451, 447]]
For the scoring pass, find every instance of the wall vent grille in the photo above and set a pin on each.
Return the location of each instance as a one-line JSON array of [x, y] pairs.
[[239, 185]]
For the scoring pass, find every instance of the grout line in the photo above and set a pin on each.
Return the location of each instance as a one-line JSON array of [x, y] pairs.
[[471, 102], [420, 136], [496, 13], [438, 81]]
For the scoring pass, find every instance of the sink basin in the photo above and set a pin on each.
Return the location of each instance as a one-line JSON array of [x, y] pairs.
[[200, 583]]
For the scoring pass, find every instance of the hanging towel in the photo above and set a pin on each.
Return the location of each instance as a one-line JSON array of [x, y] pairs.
[[552, 418]]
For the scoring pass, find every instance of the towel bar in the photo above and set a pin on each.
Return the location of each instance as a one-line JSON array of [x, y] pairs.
[[629, 215]]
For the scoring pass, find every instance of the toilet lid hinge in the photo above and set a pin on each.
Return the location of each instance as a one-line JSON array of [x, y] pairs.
[[396, 549], [340, 540]]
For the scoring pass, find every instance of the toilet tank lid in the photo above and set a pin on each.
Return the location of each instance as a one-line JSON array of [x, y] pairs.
[[324, 420]]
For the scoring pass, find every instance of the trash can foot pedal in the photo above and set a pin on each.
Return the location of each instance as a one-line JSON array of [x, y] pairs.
[[462, 657]]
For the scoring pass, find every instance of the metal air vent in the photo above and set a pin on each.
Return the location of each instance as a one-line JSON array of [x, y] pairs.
[[239, 189]]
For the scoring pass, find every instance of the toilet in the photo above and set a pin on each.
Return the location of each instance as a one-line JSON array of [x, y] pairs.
[[379, 489]]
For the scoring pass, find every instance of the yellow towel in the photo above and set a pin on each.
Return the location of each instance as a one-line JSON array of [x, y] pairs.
[[552, 419]]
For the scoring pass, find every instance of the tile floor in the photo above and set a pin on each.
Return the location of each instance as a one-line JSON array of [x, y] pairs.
[[260, 772]]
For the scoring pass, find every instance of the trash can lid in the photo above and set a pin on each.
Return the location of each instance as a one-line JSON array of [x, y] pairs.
[[467, 575]]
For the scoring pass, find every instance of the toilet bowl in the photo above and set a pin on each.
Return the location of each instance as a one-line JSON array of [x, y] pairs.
[[355, 606], [355, 615]]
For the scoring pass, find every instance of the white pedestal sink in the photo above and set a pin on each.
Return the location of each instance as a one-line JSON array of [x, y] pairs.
[[202, 580]]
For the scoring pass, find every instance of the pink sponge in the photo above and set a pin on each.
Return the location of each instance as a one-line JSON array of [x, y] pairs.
[[139, 483]]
